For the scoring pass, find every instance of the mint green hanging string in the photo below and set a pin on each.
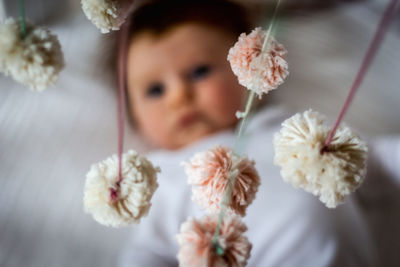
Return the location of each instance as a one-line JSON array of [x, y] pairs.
[[231, 179], [22, 18]]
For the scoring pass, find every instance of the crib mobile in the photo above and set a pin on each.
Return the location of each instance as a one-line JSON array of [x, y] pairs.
[[328, 162]]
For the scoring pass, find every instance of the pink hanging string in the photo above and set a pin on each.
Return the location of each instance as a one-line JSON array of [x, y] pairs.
[[121, 68], [382, 28]]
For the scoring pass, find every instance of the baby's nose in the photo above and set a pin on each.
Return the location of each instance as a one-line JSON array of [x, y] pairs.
[[180, 93]]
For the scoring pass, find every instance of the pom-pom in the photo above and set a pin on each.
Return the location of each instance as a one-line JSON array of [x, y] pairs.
[[119, 204], [257, 70], [197, 247], [208, 174], [331, 174], [107, 15], [34, 60]]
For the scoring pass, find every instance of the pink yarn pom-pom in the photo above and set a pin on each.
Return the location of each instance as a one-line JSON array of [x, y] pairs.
[[208, 174], [197, 248], [257, 70]]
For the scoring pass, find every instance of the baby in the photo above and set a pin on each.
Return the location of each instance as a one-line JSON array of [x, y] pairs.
[[181, 87], [183, 98]]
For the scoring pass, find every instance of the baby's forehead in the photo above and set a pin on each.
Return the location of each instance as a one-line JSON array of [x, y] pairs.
[[179, 45], [183, 37]]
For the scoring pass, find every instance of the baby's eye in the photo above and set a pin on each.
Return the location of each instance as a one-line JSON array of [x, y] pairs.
[[155, 90], [200, 72]]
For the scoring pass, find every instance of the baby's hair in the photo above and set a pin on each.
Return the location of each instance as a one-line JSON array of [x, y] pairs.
[[160, 16]]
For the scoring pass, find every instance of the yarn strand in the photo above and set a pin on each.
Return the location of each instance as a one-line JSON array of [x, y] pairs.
[[381, 30], [22, 18], [239, 136]]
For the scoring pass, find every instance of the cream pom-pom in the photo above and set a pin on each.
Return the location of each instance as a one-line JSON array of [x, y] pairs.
[[34, 60], [331, 174], [197, 247], [208, 174], [257, 70], [107, 15], [119, 204]]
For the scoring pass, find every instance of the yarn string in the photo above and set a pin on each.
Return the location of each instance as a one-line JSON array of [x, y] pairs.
[[244, 115], [232, 173], [22, 18], [380, 32]]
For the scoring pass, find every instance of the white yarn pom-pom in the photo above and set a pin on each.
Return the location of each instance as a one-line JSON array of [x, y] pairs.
[[208, 173], [331, 175], [34, 60], [196, 243], [107, 15], [114, 204], [257, 70]]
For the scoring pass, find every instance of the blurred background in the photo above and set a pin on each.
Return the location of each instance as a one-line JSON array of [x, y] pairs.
[[49, 140]]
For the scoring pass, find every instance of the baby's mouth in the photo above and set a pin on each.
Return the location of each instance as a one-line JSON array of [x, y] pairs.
[[188, 119]]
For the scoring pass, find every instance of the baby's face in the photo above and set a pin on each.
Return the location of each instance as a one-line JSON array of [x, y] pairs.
[[180, 85]]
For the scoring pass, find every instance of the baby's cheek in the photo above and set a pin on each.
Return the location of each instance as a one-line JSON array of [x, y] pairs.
[[151, 124], [158, 135], [223, 101]]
